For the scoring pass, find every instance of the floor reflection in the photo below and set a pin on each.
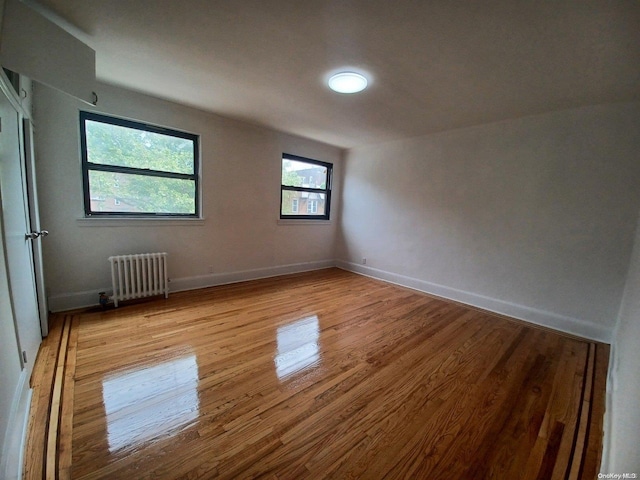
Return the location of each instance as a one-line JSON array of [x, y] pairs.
[[150, 402], [297, 346]]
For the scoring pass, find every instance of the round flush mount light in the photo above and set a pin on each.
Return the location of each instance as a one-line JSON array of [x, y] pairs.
[[347, 82]]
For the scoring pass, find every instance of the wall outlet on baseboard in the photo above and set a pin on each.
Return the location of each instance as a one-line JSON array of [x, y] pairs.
[[364, 260], [210, 268]]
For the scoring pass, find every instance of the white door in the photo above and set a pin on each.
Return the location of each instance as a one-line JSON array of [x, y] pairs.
[[15, 218], [34, 215]]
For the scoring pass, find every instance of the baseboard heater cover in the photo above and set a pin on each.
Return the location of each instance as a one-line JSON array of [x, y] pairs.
[[139, 275]]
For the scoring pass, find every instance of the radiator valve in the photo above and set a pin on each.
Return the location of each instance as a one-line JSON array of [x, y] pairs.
[[104, 299]]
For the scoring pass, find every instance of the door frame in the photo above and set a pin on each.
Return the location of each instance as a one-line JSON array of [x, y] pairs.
[[27, 129], [17, 413], [34, 218]]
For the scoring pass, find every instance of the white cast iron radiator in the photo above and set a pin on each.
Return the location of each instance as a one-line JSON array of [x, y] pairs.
[[139, 275]]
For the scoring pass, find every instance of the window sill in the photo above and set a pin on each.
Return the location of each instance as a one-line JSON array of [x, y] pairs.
[[300, 221], [139, 222]]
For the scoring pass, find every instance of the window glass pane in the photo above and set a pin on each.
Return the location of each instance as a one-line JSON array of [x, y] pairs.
[[302, 174], [129, 147], [127, 193], [307, 203]]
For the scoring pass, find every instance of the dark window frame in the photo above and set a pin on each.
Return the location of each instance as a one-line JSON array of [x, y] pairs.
[[326, 191], [89, 166]]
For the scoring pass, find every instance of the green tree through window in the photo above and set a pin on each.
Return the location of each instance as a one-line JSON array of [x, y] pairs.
[[138, 170]]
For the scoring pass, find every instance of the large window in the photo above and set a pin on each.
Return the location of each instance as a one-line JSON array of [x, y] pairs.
[[133, 169], [306, 188]]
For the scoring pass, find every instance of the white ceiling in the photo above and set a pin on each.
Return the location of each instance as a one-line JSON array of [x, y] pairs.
[[433, 65]]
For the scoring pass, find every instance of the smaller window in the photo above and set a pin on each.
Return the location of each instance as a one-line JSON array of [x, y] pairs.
[[305, 182]]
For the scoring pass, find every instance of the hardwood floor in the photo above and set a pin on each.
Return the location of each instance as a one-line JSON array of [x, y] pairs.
[[324, 374]]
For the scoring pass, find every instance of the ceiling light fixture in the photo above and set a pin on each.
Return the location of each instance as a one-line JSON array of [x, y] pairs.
[[347, 82]]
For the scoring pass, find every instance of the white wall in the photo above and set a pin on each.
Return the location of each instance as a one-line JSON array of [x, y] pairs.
[[240, 236], [10, 370], [532, 217], [624, 382]]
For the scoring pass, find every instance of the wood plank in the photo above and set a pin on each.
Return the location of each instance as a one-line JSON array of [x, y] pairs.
[[581, 437], [67, 402], [323, 374], [549, 439], [51, 462], [571, 416], [593, 453], [42, 383]]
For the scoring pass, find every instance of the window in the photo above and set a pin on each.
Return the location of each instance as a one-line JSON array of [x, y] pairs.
[[305, 182], [137, 170]]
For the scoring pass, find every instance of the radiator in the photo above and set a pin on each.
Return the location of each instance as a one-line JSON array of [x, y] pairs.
[[139, 275]]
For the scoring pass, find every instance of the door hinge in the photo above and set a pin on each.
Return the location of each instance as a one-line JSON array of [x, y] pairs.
[[24, 356]]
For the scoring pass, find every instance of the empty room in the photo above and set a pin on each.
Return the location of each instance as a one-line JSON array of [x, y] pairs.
[[319, 239]]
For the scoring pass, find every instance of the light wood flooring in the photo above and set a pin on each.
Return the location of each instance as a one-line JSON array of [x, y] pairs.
[[325, 374]]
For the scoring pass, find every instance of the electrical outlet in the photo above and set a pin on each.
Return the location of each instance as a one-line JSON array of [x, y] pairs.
[[364, 261], [210, 268]]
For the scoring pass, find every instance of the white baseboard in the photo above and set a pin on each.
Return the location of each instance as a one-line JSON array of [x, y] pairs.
[[544, 318], [214, 279], [71, 301], [14, 444], [574, 326]]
